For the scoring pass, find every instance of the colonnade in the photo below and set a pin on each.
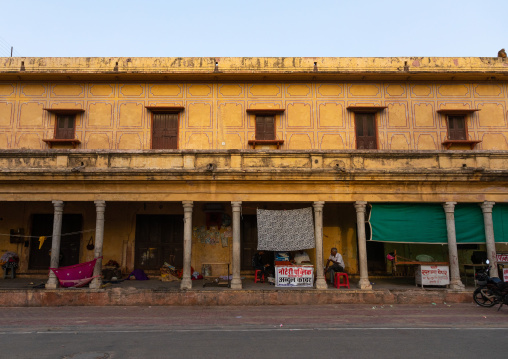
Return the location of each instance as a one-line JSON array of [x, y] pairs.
[[236, 282]]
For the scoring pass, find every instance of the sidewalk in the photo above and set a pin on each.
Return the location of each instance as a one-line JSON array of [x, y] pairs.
[[20, 292]]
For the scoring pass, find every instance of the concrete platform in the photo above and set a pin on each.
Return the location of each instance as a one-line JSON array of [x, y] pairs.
[[20, 292]]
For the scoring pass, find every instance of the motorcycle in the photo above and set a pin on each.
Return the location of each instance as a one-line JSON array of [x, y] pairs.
[[491, 290]]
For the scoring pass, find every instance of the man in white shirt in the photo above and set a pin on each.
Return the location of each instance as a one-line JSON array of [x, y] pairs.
[[335, 263]]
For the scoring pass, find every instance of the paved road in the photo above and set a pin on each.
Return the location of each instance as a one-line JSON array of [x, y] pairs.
[[334, 331]]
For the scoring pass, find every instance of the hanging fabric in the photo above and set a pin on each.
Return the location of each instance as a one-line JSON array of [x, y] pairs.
[[41, 241], [287, 230]]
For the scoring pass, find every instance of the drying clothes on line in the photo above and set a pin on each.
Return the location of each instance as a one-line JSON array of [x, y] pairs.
[[289, 230]]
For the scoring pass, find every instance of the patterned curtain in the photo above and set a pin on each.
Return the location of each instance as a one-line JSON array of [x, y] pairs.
[[290, 230]]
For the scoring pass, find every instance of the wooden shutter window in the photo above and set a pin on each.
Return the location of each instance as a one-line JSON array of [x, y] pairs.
[[366, 138], [65, 126], [265, 127], [457, 128], [165, 131]]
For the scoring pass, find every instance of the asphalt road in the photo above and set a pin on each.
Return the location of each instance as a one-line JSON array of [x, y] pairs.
[[335, 331]]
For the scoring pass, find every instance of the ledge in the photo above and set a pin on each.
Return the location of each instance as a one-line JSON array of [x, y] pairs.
[[266, 142], [70, 111], [64, 141], [265, 111], [366, 108], [165, 108], [457, 111], [449, 143]]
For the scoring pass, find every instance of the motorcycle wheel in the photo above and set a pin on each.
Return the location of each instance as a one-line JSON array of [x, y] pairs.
[[480, 299]]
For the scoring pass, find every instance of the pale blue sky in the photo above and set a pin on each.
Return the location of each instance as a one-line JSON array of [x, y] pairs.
[[223, 28]]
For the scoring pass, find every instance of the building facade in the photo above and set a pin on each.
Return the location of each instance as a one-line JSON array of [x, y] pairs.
[[167, 159]]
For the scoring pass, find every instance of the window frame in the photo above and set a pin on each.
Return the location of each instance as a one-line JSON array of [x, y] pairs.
[[466, 114], [361, 110], [68, 129], [265, 113], [165, 110], [374, 122], [63, 112]]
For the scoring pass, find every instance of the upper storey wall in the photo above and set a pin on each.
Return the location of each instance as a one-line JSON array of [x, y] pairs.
[[215, 114]]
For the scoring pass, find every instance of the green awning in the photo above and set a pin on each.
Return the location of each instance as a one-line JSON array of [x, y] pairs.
[[500, 218], [426, 223], [408, 223]]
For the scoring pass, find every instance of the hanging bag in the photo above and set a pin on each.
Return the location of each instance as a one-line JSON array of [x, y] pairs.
[[90, 245]]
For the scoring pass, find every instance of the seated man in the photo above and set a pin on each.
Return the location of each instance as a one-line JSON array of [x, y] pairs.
[[259, 261], [301, 257], [335, 263]]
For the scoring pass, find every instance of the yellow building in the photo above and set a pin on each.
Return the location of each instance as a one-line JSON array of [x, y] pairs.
[[178, 154]]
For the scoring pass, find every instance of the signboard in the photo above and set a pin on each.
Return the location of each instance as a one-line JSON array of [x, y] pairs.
[[294, 276], [502, 257], [432, 275], [505, 275]]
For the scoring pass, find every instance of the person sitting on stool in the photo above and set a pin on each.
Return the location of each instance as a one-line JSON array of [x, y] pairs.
[[260, 262], [335, 263]]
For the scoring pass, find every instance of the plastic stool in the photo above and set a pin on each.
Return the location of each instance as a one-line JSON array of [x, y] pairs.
[[13, 272], [337, 282], [262, 280]]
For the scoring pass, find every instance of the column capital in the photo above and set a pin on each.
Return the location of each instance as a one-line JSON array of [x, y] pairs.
[[99, 204], [236, 204], [187, 206], [487, 206], [360, 206], [318, 205], [59, 205], [449, 207]]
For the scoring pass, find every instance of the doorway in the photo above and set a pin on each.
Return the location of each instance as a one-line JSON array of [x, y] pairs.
[[249, 240], [159, 239], [40, 251]]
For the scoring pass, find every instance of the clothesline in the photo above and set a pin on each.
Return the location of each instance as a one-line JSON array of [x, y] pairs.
[[62, 235]]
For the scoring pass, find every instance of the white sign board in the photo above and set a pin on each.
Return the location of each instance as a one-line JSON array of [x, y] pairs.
[[505, 275], [294, 276], [432, 275], [502, 258]]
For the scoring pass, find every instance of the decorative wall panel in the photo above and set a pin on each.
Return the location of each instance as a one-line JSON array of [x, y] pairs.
[[299, 115], [330, 114], [330, 90], [6, 115], [7, 90], [231, 90], [132, 90], [61, 90], [162, 90], [214, 115]]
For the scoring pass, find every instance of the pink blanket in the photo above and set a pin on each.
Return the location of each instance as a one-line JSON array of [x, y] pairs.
[[77, 275]]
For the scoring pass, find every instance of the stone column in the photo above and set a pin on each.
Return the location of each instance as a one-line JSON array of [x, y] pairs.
[[489, 237], [362, 245], [100, 207], [187, 245], [55, 243], [455, 282], [236, 282], [318, 237]]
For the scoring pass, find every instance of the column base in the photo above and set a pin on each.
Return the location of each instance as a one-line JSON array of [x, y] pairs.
[[186, 284], [236, 283], [96, 283], [457, 285], [52, 282], [51, 285], [321, 283], [364, 284]]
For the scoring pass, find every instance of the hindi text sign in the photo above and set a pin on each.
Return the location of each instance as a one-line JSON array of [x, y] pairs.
[[432, 275], [294, 276]]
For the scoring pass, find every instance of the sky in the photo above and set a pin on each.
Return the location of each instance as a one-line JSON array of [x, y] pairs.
[[223, 28]]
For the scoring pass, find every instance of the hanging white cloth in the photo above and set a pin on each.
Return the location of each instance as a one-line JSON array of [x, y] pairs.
[[287, 230]]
